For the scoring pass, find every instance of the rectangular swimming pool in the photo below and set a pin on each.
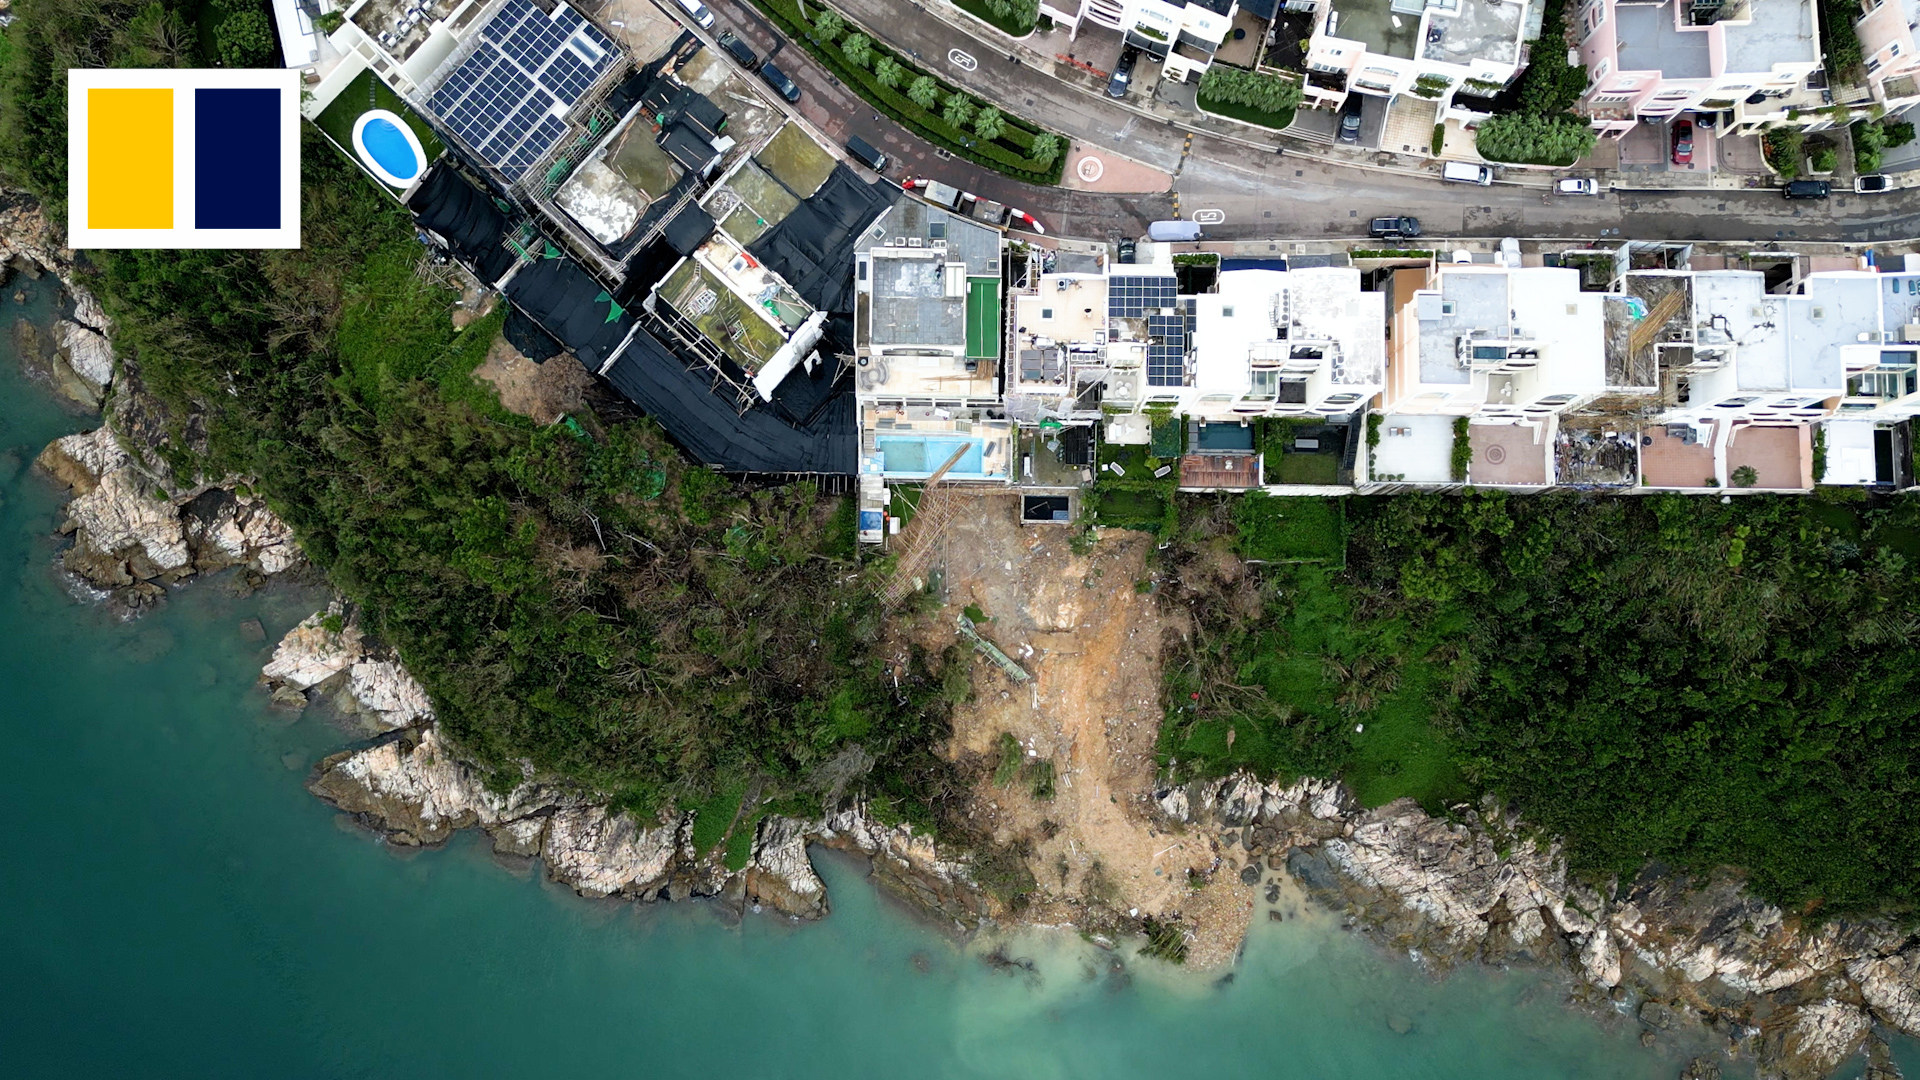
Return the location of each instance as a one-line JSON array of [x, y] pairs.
[[919, 455]]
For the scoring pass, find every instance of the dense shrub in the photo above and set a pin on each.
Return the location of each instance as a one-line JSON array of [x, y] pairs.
[[915, 108], [1659, 677], [1534, 139], [1252, 89]]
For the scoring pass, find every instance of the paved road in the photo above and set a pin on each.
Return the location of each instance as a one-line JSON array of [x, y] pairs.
[[840, 112], [1266, 195], [1297, 195], [1262, 193]]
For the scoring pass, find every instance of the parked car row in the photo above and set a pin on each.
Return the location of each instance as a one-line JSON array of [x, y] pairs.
[[744, 55]]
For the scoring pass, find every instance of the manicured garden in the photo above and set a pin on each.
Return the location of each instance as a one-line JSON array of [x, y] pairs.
[[932, 108], [1253, 96]]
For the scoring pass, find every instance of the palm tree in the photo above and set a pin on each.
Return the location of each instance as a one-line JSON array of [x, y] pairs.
[[888, 72], [858, 49], [959, 110], [1046, 147], [827, 26], [989, 125], [924, 92]]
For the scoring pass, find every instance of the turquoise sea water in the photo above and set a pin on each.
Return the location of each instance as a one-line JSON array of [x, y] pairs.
[[174, 904]]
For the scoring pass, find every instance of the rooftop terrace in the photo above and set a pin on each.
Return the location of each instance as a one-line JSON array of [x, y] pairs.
[[1481, 30], [1376, 25], [1780, 32], [1649, 41]]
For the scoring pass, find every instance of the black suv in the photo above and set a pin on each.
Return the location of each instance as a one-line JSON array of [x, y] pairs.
[[738, 50], [777, 79], [1385, 227], [1122, 77], [1806, 189]]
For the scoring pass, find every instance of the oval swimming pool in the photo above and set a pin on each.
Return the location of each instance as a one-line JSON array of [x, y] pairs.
[[388, 148]]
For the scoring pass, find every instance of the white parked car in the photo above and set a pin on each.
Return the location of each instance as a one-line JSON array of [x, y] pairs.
[[1869, 184], [1577, 187]]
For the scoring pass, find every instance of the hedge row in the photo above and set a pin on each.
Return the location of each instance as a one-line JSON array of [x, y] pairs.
[[928, 125]]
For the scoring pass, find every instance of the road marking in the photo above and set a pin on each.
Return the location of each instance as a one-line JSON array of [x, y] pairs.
[[1209, 217], [962, 60]]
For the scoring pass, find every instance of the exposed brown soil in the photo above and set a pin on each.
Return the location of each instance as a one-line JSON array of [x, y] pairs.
[[542, 392], [1090, 635]]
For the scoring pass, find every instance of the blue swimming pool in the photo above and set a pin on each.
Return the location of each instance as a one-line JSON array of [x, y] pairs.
[[920, 455], [388, 149]]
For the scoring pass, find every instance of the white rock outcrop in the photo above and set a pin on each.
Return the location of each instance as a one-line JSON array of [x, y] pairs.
[[132, 531], [1483, 888], [409, 787], [329, 651]]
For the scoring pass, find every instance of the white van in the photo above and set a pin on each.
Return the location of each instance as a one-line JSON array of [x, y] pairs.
[[1460, 172], [699, 12]]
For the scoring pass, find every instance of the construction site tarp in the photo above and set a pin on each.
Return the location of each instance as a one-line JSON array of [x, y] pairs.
[[450, 206], [528, 338], [681, 399], [570, 305], [812, 247], [688, 229]]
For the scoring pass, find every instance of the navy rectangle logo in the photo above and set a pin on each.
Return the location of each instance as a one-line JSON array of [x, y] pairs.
[[236, 158]]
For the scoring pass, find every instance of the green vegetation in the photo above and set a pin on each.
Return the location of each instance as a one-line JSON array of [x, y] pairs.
[[1745, 476], [1542, 129], [1274, 438], [1784, 149], [1421, 254], [713, 816], [1136, 499], [1431, 86], [1870, 139], [1018, 149], [1291, 529], [1844, 62], [576, 597], [1824, 158], [1462, 458], [1558, 139], [1439, 139], [1654, 678], [1013, 17], [50, 36], [243, 37], [1165, 940], [1254, 96]]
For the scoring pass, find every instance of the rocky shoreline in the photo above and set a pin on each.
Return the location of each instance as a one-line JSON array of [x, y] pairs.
[[410, 788], [1801, 1000]]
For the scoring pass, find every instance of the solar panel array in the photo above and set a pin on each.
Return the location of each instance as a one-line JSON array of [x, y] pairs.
[[1166, 350], [506, 98], [1132, 297]]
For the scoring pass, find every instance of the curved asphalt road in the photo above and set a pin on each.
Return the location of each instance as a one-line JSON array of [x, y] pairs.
[[1260, 193]]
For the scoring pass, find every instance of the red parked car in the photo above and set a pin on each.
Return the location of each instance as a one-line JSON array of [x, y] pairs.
[[1682, 142]]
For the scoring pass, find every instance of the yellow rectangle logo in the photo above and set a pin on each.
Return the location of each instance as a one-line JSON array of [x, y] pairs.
[[130, 158]]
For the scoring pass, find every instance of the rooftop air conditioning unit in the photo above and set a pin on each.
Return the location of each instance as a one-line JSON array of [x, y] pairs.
[[1910, 333], [898, 241], [915, 241]]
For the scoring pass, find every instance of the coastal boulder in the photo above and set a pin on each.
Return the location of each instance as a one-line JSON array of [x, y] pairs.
[[600, 852], [779, 875], [410, 788], [1809, 1042], [328, 649]]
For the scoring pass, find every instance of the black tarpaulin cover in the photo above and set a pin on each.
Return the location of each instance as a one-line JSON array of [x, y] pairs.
[[764, 439], [812, 247], [570, 305], [449, 205]]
